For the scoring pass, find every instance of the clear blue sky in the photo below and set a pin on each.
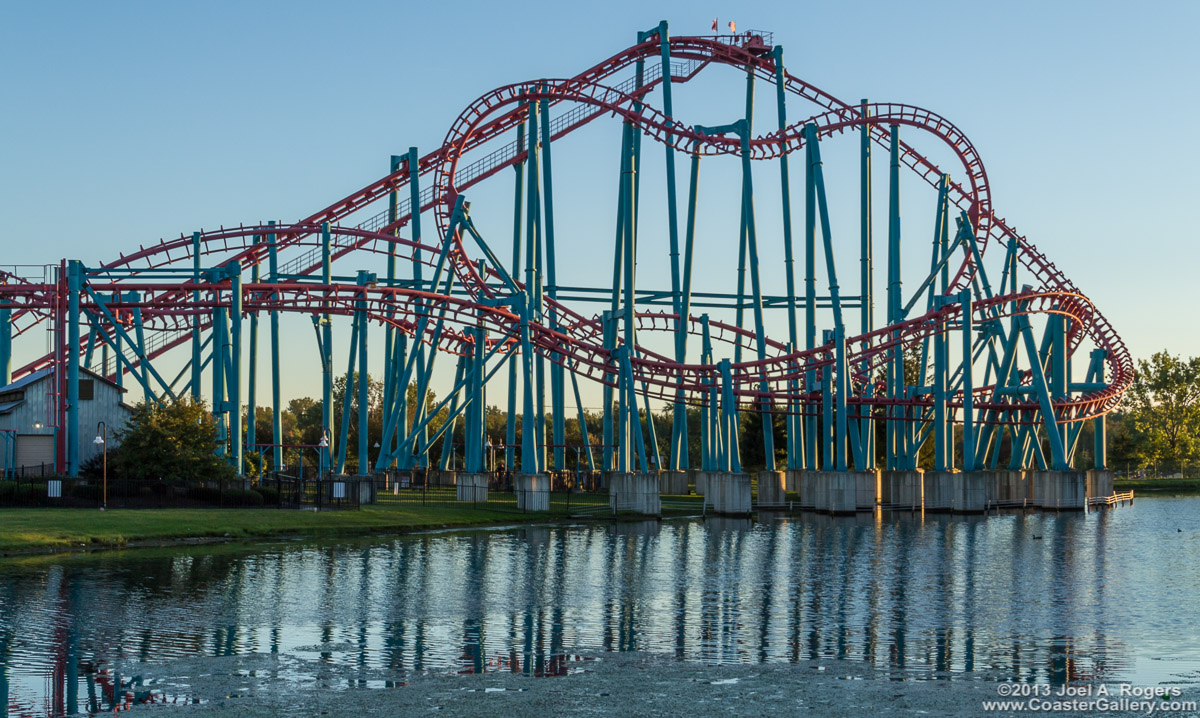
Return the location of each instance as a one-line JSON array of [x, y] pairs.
[[126, 122]]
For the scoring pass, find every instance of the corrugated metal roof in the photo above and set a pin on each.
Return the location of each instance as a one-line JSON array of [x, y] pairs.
[[27, 380], [7, 407]]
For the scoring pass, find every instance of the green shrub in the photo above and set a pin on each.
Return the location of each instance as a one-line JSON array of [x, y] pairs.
[[206, 494], [87, 492], [269, 494], [242, 497]]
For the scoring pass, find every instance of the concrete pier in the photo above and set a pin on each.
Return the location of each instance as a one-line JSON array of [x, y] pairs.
[[1060, 489], [1099, 483], [1010, 488], [472, 487], [835, 492], [939, 490], [635, 492], [866, 489], [700, 479], [533, 491], [771, 490], [970, 492], [902, 489], [728, 493], [673, 483], [805, 486]]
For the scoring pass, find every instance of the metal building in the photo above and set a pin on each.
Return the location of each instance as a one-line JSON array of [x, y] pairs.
[[27, 419]]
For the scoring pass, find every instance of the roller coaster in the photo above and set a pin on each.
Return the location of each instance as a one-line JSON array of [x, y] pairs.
[[993, 361]]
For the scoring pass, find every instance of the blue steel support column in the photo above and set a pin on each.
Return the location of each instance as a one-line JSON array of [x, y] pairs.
[[607, 438], [196, 361], [1057, 450], [514, 360], [629, 412], [360, 306], [144, 365], [533, 283], [276, 403], [867, 281], [678, 458], [731, 456], [1099, 429], [835, 300], [252, 378], [220, 348], [756, 287], [6, 345], [895, 427], [557, 380], [827, 413], [346, 394], [810, 305], [235, 359], [119, 349], [795, 426], [1059, 362], [395, 164], [414, 188], [941, 443], [529, 453], [843, 392], [326, 350], [679, 433], [968, 382], [75, 279]]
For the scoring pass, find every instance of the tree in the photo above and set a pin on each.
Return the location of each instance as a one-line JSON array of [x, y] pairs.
[[176, 440], [1164, 404]]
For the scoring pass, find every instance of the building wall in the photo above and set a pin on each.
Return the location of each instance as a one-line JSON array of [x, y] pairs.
[[38, 408]]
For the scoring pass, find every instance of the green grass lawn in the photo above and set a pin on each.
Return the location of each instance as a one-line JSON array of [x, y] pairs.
[[1148, 485], [23, 530], [46, 529]]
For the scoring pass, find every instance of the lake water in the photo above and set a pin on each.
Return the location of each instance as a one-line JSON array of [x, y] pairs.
[[1109, 595]]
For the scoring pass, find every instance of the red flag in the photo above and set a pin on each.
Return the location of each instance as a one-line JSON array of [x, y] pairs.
[[732, 26], [714, 24]]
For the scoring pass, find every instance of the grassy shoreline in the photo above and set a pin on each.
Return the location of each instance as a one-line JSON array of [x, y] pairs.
[[33, 531], [1157, 485]]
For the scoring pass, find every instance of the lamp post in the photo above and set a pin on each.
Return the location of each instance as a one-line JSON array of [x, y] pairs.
[[323, 447], [101, 440], [491, 456]]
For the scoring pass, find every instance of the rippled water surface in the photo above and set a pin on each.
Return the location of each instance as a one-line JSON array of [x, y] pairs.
[[1046, 597]]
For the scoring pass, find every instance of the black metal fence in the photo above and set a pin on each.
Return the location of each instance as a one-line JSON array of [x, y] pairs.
[[559, 494], [271, 491]]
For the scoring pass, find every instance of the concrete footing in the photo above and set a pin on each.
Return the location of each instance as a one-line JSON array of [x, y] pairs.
[[1060, 489], [533, 491], [635, 492], [771, 490], [1010, 488], [673, 483], [939, 490], [1099, 483], [472, 487], [970, 493], [805, 486], [791, 479], [866, 489], [728, 493], [700, 479], [902, 489], [844, 492]]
